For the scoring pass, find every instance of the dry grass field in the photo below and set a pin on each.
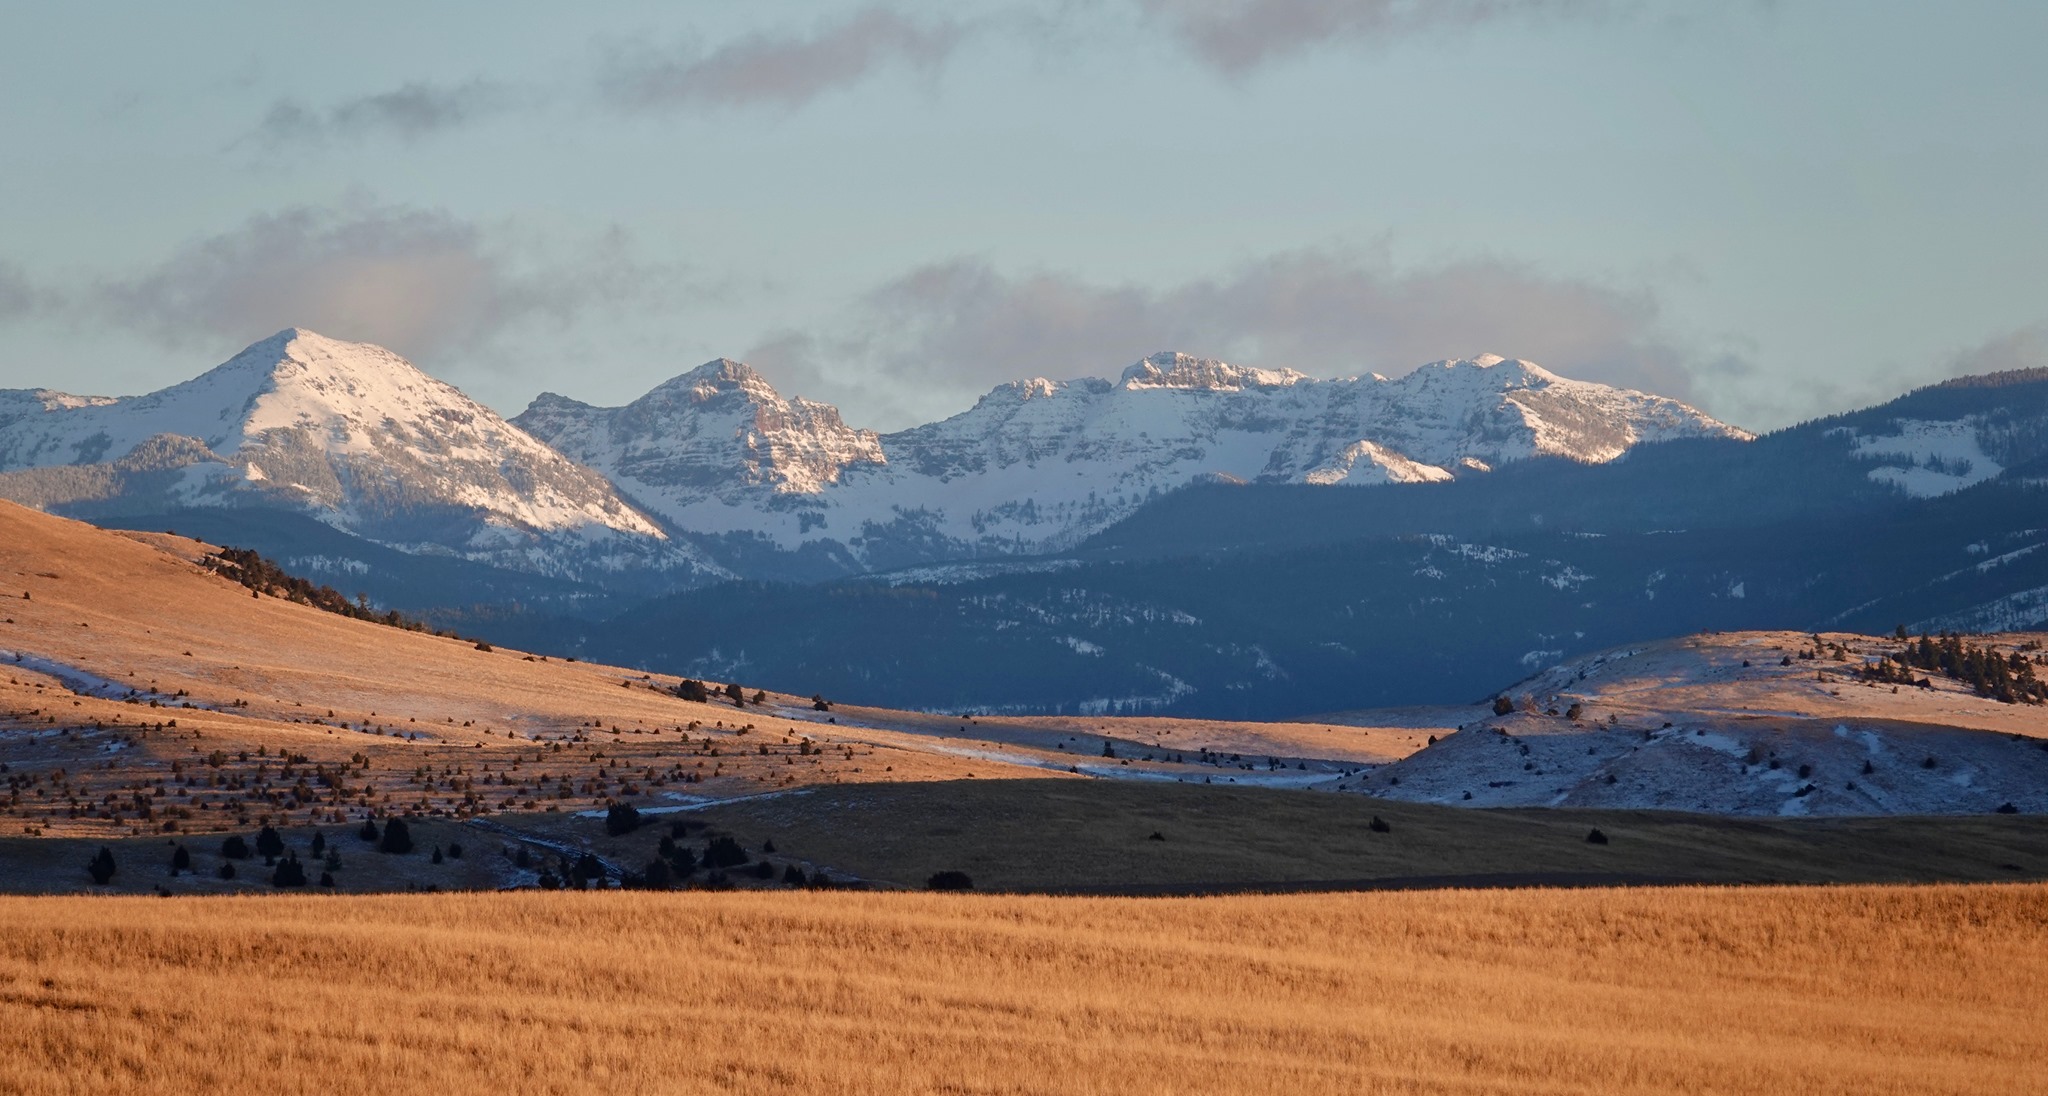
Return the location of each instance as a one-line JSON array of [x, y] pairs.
[[1866, 990]]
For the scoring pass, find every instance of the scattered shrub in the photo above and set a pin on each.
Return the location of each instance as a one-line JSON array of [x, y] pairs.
[[657, 876], [288, 873], [101, 866], [621, 818], [397, 837], [436, 858], [949, 881], [1503, 706], [689, 689], [235, 847], [1379, 825], [455, 850], [587, 871], [1595, 837], [2008, 808], [227, 869], [764, 870], [369, 831], [794, 876], [724, 852]]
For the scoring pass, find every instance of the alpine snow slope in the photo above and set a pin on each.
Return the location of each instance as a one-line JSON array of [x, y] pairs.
[[349, 434], [1038, 464]]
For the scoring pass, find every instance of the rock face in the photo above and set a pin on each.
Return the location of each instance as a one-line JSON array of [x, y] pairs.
[[1038, 464], [349, 433]]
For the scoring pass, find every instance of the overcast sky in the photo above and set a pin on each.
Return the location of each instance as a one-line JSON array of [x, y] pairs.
[[1772, 210]]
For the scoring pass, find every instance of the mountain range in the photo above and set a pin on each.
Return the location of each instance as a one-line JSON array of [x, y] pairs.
[[1037, 465], [1175, 539], [715, 475]]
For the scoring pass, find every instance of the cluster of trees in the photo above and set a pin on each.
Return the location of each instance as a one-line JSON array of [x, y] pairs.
[[2007, 678], [248, 567], [692, 689]]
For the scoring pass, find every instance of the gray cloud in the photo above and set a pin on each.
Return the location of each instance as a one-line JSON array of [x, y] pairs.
[[2026, 348], [18, 296], [1239, 35], [785, 70], [413, 111], [422, 282], [944, 333]]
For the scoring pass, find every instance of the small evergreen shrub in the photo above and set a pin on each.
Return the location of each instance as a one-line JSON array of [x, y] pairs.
[[288, 873], [397, 837], [724, 852], [1595, 837], [949, 881], [235, 847], [101, 866], [621, 818], [657, 876]]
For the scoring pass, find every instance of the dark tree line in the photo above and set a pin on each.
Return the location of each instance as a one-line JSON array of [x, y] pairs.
[[2007, 678], [248, 567]]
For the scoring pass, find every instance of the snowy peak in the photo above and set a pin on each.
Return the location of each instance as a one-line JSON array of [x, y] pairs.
[[1483, 372], [358, 437], [1173, 369], [720, 429]]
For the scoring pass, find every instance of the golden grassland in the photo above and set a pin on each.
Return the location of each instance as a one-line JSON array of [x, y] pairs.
[[1869, 990]]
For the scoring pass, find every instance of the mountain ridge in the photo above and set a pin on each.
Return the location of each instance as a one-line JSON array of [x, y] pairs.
[[1039, 464]]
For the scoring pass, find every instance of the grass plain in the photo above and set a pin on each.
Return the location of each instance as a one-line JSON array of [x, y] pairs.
[[1869, 990]]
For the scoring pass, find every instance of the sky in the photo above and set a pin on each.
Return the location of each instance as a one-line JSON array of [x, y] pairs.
[[1772, 210]]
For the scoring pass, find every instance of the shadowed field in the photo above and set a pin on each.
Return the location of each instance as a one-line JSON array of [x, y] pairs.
[[1098, 835], [1868, 990]]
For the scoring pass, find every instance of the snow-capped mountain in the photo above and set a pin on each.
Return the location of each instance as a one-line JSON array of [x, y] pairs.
[[1038, 464], [719, 431], [349, 433]]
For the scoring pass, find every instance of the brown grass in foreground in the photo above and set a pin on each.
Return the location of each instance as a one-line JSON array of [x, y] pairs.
[[1865, 990]]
